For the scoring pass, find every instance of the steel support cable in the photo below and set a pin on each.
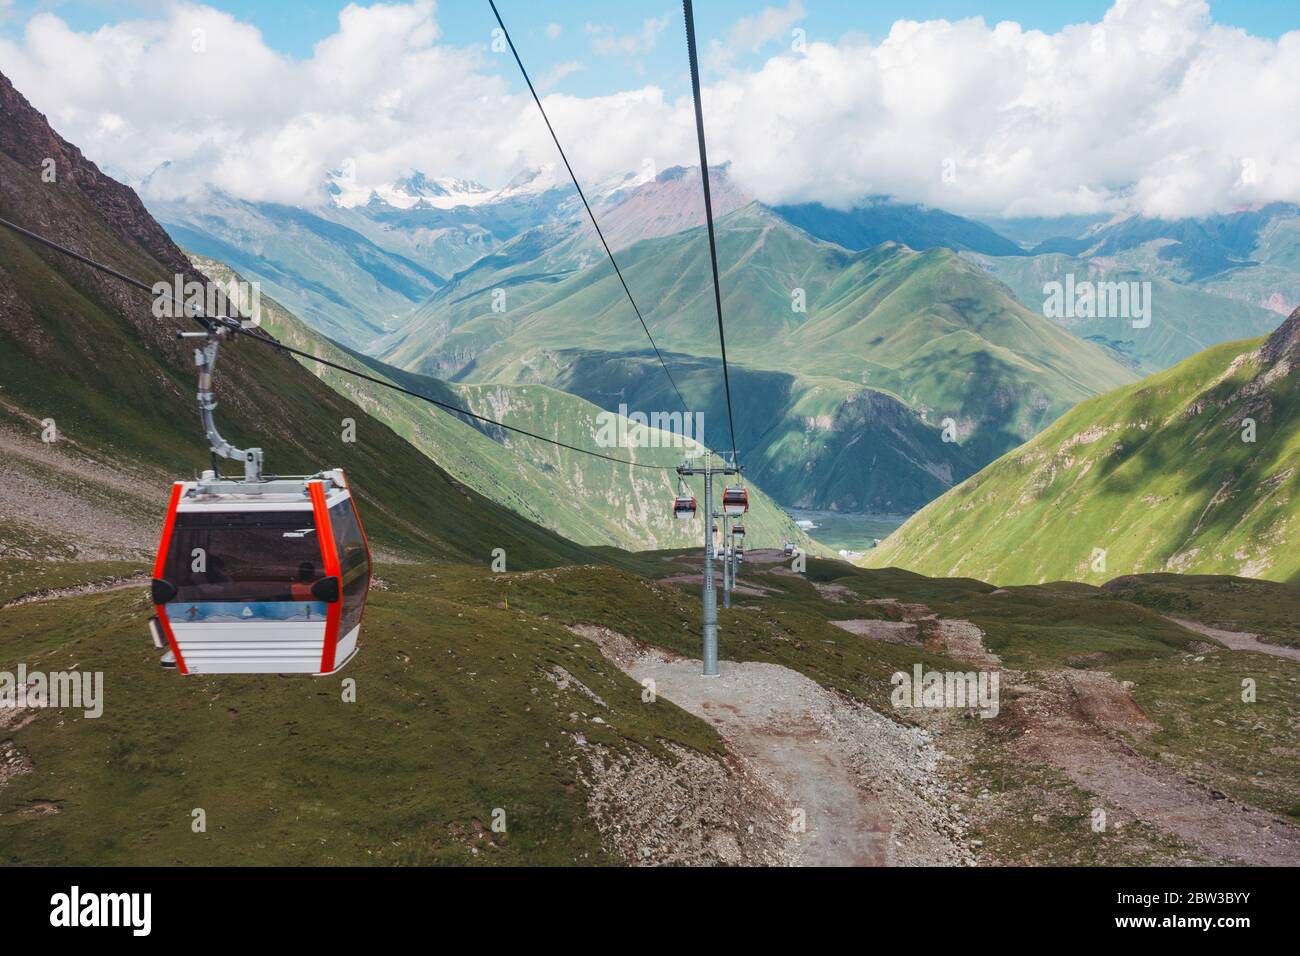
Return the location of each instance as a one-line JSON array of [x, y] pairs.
[[581, 195], [689, 15], [236, 326]]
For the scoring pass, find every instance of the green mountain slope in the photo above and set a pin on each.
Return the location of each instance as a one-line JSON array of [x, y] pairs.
[[881, 220], [349, 287], [585, 499], [927, 330], [811, 442], [1157, 475], [1184, 319], [458, 713]]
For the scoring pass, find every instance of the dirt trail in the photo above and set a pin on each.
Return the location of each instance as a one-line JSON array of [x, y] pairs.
[[73, 506], [864, 788], [892, 632], [765, 714], [767, 556], [1075, 720], [835, 593], [960, 640], [1067, 716], [957, 639], [1239, 640], [95, 587]]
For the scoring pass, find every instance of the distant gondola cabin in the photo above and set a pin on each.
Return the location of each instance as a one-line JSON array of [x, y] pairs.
[[735, 501]]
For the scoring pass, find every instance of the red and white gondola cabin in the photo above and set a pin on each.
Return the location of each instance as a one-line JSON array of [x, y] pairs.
[[265, 578], [684, 507], [735, 501]]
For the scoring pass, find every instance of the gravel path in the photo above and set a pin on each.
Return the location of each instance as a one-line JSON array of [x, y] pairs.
[[1240, 640], [892, 632], [853, 787], [766, 714], [82, 508], [95, 587], [1067, 715]]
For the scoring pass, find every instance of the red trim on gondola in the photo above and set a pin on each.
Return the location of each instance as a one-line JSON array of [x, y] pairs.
[[160, 565], [370, 563], [169, 524], [330, 560], [166, 625]]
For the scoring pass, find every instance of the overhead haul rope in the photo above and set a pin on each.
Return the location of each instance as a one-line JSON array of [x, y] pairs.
[[708, 210], [233, 325], [587, 206]]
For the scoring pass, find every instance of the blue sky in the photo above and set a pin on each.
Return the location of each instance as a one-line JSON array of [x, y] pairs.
[[293, 27], [1159, 110]]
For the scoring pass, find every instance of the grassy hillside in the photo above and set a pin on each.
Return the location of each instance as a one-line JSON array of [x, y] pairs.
[[71, 352], [1156, 474], [1184, 319], [1265, 608], [462, 708], [856, 303], [79, 348], [809, 441], [450, 723]]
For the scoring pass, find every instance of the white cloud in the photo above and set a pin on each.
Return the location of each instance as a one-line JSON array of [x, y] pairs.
[[606, 42], [1156, 109], [553, 31], [751, 34], [1159, 111], [552, 77], [381, 91]]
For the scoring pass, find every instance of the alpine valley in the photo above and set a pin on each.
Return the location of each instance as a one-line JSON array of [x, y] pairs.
[[1085, 516]]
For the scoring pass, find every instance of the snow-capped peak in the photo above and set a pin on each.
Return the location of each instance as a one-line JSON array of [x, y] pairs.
[[408, 192], [532, 182]]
